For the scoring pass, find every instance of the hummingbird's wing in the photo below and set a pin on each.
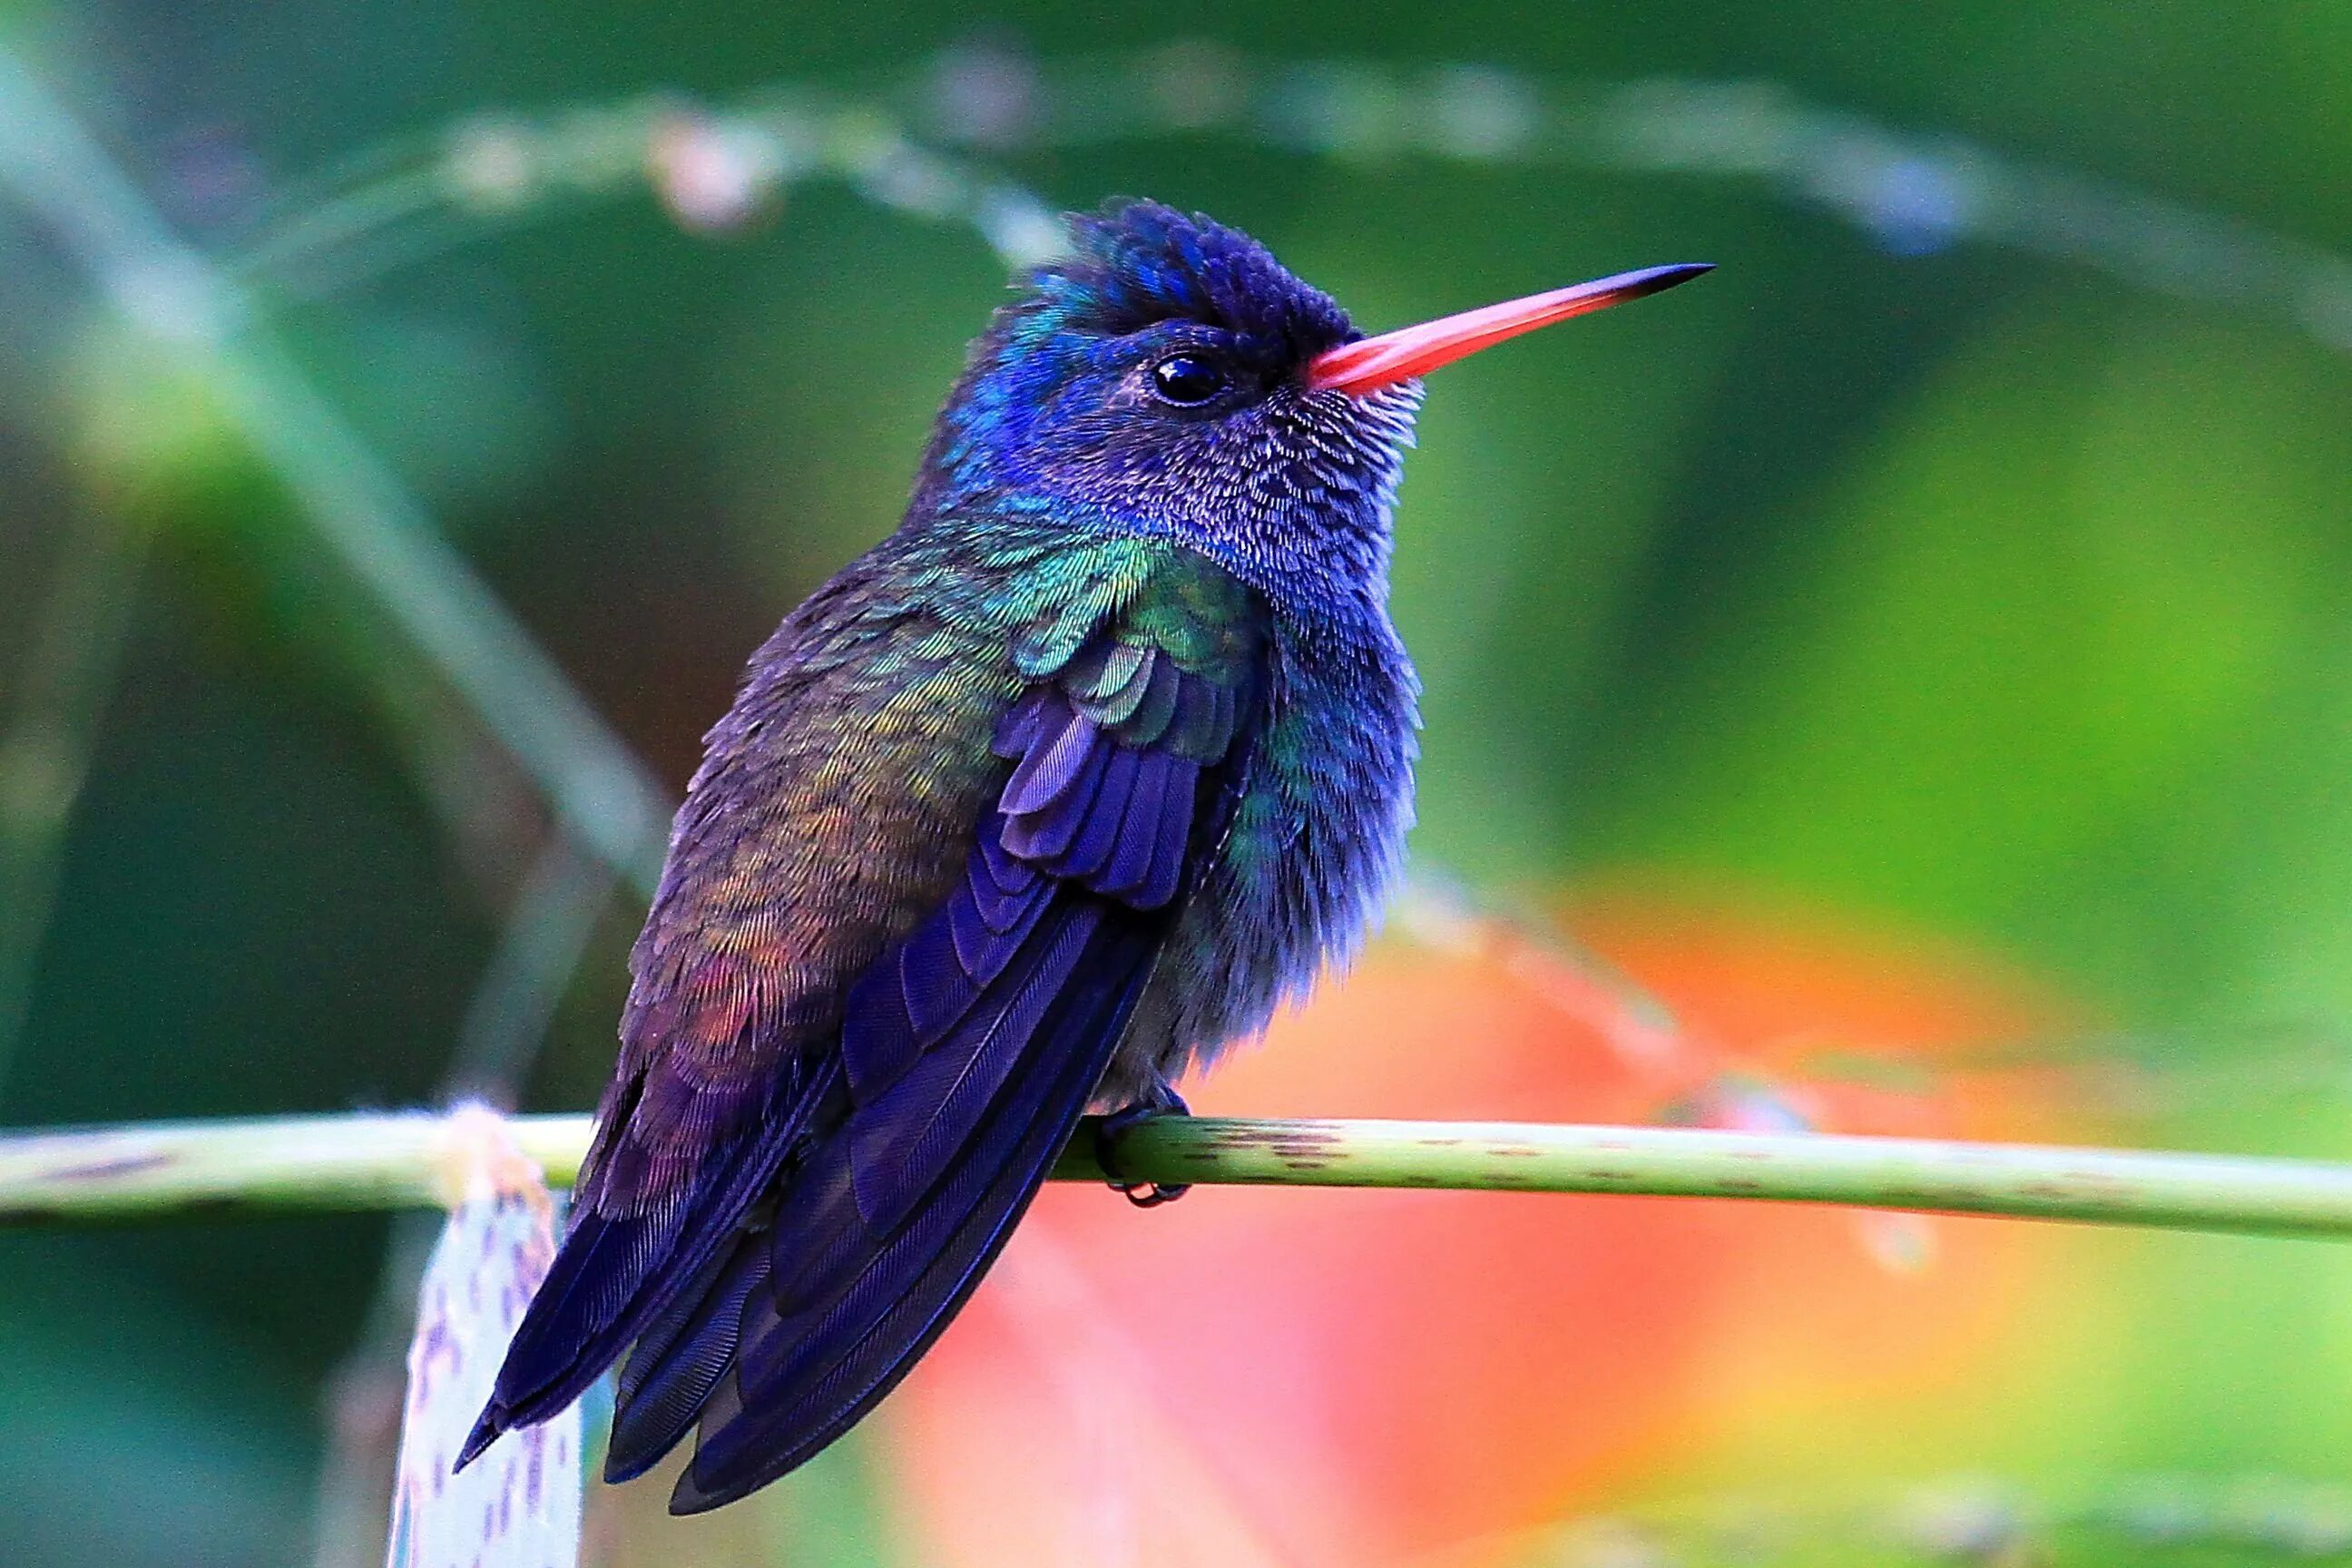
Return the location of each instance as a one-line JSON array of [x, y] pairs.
[[970, 1051], [819, 1137]]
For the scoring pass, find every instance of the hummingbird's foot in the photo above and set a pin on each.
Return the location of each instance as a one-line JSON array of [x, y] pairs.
[[1161, 1101]]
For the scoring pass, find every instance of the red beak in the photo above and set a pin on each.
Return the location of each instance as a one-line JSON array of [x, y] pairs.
[[1369, 363]]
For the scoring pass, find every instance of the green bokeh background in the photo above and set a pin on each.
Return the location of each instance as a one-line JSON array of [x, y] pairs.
[[1968, 594]]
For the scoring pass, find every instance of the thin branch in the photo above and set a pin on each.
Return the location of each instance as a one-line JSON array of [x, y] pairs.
[[48, 738], [545, 935], [374, 1162], [53, 168], [715, 164]]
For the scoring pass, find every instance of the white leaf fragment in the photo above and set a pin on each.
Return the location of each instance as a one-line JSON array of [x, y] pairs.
[[518, 1506]]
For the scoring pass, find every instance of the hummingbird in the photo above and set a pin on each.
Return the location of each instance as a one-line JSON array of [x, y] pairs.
[[1060, 790]]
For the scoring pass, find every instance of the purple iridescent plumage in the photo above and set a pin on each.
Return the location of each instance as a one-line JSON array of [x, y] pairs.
[[1051, 796]]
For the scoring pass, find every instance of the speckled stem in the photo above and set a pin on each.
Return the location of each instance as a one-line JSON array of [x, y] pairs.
[[375, 1162], [2026, 1181], [165, 1170]]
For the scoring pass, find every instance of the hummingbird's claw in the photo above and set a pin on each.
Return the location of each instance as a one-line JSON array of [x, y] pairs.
[[1162, 1101], [1149, 1195]]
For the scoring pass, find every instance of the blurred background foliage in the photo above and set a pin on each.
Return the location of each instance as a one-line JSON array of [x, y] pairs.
[[1919, 657]]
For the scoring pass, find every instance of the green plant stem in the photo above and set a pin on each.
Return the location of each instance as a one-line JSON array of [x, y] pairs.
[[196, 1169]]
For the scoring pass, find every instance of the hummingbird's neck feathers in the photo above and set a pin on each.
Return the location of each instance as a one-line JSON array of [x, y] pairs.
[[1321, 570]]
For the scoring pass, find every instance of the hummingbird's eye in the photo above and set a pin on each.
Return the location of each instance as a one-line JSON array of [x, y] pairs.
[[1188, 380]]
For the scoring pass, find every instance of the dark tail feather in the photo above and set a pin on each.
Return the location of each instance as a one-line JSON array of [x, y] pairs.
[[678, 1362], [802, 1376], [616, 1275]]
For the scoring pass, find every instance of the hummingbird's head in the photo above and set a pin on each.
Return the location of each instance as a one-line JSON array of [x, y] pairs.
[[1170, 376]]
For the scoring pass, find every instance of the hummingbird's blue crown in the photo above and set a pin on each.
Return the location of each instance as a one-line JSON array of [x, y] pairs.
[[1136, 263]]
